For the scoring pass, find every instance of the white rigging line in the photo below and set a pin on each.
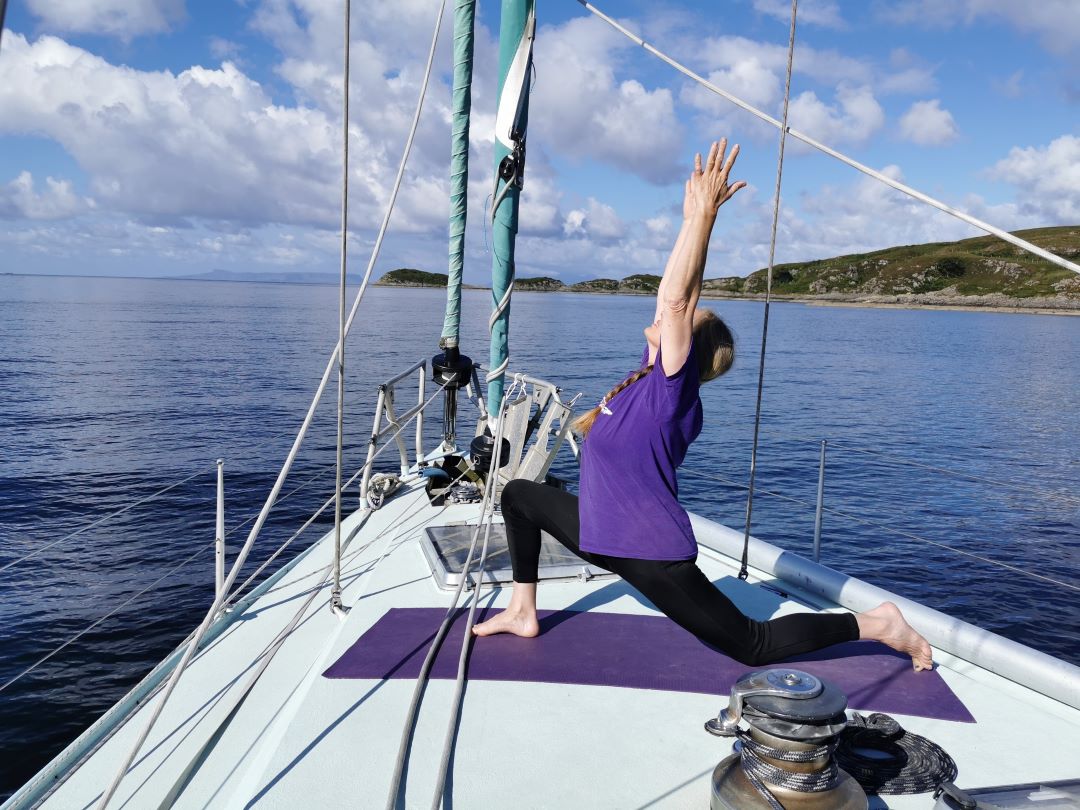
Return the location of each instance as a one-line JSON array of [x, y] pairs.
[[231, 580], [743, 572], [911, 192], [335, 595], [101, 520]]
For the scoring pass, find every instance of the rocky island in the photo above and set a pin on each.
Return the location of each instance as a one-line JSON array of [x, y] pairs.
[[980, 272]]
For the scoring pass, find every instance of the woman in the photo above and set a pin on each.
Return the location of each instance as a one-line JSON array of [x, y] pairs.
[[628, 519]]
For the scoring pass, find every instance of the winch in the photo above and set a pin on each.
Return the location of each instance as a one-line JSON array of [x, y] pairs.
[[784, 760]]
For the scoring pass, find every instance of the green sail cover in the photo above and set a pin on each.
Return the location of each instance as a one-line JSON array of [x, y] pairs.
[[515, 63], [464, 19]]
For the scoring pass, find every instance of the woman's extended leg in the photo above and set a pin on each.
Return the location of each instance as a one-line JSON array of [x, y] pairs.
[[529, 508], [682, 591]]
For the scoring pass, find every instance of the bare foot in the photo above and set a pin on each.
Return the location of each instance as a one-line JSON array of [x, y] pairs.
[[520, 623], [886, 624]]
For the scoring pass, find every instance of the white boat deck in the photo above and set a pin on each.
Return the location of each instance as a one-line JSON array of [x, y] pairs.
[[300, 739]]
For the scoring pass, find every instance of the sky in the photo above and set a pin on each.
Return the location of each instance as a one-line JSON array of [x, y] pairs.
[[174, 137]]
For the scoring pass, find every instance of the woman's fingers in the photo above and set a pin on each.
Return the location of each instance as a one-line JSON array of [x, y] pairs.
[[732, 189], [730, 161], [697, 163], [716, 152]]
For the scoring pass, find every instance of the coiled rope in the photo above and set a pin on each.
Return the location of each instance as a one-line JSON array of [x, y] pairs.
[[762, 774], [905, 763]]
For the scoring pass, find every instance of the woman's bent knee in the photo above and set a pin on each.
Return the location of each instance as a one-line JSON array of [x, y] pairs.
[[513, 492]]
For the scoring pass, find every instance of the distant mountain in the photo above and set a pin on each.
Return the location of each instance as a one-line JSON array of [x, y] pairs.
[[273, 278]]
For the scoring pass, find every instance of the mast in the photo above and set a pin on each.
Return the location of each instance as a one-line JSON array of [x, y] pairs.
[[516, 33], [452, 368]]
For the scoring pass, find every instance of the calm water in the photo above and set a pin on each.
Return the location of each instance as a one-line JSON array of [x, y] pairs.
[[111, 389]]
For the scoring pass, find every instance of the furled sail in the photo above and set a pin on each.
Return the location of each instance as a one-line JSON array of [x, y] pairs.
[[515, 66]]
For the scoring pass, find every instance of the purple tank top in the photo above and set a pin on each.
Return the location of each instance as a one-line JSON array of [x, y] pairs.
[[629, 494]]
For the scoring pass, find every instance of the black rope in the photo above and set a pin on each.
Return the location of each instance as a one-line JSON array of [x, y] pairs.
[[762, 773], [905, 763], [3, 8]]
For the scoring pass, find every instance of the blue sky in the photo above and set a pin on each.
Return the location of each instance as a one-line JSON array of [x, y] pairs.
[[166, 137]]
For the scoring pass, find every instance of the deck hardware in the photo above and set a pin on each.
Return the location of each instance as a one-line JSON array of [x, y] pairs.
[[790, 684], [785, 759], [953, 797]]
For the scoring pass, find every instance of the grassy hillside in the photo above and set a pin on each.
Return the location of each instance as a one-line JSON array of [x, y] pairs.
[[409, 277], [980, 266]]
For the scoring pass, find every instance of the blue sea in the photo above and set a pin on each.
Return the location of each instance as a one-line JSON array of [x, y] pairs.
[[950, 434]]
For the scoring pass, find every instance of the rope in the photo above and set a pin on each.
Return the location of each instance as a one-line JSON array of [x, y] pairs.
[[906, 763], [107, 517], [743, 573], [901, 187], [762, 773], [335, 595], [466, 642], [436, 644], [230, 581], [892, 529]]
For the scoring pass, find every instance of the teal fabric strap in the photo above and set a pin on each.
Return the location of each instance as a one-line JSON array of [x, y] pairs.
[[464, 20]]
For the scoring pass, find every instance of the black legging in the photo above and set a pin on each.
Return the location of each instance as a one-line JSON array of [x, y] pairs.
[[678, 588]]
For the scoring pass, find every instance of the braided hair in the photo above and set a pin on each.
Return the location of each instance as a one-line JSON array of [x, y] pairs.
[[583, 424], [715, 349]]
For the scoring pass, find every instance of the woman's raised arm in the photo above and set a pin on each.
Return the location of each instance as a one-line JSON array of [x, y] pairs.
[[707, 190]]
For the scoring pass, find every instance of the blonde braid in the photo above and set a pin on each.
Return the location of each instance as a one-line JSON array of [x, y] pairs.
[[583, 424]]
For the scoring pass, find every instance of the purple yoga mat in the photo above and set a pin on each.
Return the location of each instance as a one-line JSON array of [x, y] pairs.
[[635, 652]]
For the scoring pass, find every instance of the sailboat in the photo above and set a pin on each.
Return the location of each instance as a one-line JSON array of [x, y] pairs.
[[350, 677]]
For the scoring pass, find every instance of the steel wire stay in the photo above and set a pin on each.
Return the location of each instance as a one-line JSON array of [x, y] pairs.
[[848, 444], [105, 518], [883, 178], [891, 529]]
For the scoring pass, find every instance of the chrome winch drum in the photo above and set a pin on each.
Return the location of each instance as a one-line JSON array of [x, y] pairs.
[[784, 759]]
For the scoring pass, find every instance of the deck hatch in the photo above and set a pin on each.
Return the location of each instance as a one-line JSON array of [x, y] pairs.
[[446, 547]]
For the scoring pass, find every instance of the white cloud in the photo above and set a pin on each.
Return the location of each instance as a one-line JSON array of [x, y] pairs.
[[825, 13], [853, 119], [20, 200], [597, 221], [222, 48], [581, 108], [1055, 22], [927, 124], [909, 74], [1047, 179], [202, 143], [120, 18]]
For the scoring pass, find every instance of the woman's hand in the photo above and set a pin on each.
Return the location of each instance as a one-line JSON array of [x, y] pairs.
[[708, 188]]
